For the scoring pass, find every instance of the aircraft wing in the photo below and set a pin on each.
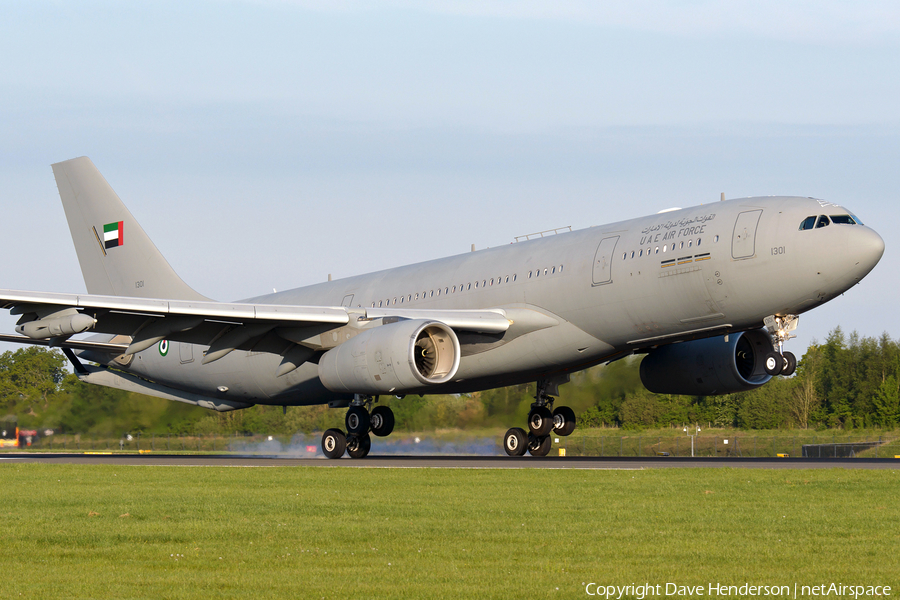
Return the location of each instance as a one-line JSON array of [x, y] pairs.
[[139, 323]]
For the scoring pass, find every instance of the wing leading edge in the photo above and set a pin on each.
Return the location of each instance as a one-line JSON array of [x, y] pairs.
[[139, 323]]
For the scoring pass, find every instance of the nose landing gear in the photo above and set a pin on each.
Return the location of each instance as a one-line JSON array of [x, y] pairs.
[[541, 422], [360, 422], [779, 362]]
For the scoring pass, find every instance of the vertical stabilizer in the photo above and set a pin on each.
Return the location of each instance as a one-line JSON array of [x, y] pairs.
[[116, 256]]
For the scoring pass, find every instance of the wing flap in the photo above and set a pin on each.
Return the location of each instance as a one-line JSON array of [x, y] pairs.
[[482, 321]]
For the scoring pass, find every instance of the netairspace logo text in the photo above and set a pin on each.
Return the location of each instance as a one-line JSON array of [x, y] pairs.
[[718, 590]]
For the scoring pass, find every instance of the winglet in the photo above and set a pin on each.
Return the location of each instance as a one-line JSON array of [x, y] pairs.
[[116, 256]]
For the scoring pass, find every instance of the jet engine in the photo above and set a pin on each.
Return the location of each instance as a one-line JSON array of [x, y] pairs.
[[719, 365], [392, 358]]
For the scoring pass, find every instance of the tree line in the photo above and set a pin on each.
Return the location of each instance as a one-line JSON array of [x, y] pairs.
[[848, 381]]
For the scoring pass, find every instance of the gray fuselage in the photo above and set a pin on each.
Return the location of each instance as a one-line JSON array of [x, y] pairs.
[[595, 294]]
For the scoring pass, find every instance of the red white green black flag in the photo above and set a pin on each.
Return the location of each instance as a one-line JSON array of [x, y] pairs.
[[113, 235]]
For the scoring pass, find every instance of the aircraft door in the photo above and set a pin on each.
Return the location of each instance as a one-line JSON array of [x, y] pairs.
[[603, 260], [743, 244], [186, 352]]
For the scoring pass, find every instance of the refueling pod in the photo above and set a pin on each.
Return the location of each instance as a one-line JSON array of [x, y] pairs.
[[718, 365], [62, 323], [392, 359]]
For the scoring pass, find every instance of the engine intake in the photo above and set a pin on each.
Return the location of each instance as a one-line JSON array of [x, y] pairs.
[[392, 359], [719, 365]]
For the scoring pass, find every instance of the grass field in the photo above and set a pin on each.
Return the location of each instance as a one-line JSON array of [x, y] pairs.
[[182, 532]]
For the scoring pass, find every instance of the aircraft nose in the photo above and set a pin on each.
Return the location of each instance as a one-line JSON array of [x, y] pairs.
[[867, 247]]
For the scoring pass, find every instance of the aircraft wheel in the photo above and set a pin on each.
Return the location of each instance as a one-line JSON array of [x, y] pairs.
[[515, 442], [563, 420], [358, 446], [357, 420], [539, 446], [540, 421], [382, 420], [334, 442], [790, 364], [774, 364]]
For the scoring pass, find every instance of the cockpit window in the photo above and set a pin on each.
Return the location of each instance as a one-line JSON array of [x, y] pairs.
[[808, 223], [843, 220], [822, 222], [855, 218]]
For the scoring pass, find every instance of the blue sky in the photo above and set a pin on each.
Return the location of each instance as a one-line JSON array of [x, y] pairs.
[[267, 144]]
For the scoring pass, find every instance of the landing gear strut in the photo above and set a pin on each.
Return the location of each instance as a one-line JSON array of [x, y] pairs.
[[779, 362], [541, 422], [360, 421]]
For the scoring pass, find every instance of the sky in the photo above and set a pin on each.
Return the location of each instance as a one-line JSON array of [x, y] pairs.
[[265, 145]]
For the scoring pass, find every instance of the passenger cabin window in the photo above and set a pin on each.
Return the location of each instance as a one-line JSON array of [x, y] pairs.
[[808, 223], [822, 222]]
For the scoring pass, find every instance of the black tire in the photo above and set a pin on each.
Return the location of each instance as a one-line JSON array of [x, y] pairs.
[[540, 421], [790, 364], [774, 363], [334, 442], [357, 420], [515, 442], [358, 446], [563, 420], [382, 421], [539, 446]]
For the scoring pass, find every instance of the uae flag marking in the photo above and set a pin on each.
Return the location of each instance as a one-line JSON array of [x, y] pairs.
[[113, 235]]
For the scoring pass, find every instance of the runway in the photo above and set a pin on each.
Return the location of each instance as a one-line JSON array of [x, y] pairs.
[[446, 462]]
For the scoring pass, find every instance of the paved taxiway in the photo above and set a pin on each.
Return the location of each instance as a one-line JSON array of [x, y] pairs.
[[447, 462]]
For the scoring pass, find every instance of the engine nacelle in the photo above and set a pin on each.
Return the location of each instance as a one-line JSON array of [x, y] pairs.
[[719, 365], [391, 359]]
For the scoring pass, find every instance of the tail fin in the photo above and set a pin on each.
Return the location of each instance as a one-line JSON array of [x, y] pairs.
[[116, 256]]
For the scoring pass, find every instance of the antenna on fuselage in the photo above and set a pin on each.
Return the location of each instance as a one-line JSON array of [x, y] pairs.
[[722, 198]]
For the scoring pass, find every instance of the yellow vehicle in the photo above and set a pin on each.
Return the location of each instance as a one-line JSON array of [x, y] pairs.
[[9, 434]]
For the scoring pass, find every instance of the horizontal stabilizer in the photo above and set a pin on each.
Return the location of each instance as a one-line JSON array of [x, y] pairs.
[[130, 383], [70, 343]]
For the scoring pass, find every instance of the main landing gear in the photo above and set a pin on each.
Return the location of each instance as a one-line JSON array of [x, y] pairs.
[[360, 422], [779, 362], [541, 422]]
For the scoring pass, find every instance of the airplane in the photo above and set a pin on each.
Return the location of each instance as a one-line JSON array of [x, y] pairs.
[[709, 294]]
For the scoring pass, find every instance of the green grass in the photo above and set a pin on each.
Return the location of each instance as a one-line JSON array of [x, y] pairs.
[[710, 442], [180, 532]]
